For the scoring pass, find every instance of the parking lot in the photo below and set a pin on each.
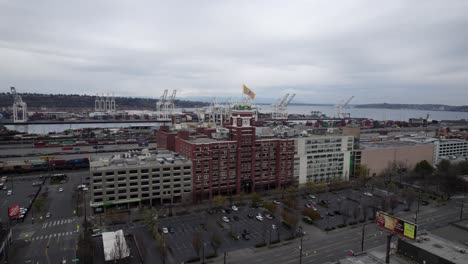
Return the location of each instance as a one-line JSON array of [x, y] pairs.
[[184, 227], [22, 193], [339, 208]]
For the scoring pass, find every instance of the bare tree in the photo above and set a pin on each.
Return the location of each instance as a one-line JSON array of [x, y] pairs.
[[197, 242], [215, 241], [393, 202], [357, 212], [410, 196]]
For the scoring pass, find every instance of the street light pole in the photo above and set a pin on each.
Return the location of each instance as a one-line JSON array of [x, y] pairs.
[[300, 252], [417, 209], [362, 239]]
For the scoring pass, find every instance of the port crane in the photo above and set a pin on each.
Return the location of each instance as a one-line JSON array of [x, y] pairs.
[[165, 105], [340, 108], [20, 109], [280, 107]]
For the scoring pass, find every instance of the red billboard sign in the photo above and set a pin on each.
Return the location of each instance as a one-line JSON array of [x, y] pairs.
[[14, 211], [396, 225]]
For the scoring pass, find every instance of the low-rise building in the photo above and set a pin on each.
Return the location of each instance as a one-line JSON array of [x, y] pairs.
[[133, 178], [450, 149], [378, 156]]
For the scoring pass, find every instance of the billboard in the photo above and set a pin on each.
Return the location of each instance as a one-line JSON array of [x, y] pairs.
[[396, 225], [14, 211]]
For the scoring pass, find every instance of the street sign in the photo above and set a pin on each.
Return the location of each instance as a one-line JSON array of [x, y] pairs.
[[396, 225]]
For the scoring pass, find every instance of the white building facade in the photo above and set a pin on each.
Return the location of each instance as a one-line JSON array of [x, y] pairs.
[[322, 158], [450, 149]]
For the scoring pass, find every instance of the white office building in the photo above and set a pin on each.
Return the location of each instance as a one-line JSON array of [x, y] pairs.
[[450, 149], [322, 158]]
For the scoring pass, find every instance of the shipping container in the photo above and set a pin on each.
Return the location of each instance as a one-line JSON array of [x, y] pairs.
[[40, 145]]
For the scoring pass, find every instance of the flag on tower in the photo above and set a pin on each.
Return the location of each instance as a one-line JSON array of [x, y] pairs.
[[249, 92]]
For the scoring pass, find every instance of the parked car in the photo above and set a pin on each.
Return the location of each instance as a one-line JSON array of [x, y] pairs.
[[246, 236], [368, 194], [273, 226], [312, 196], [171, 230], [235, 208], [225, 219], [10, 192], [269, 216], [165, 230], [276, 202], [259, 217]]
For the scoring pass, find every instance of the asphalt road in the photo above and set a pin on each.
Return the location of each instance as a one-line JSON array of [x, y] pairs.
[[50, 240], [22, 192]]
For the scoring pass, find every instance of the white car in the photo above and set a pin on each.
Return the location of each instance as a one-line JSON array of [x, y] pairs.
[[60, 189], [368, 194], [276, 202], [10, 192], [259, 217], [235, 208], [47, 215], [165, 230], [225, 219], [273, 227]]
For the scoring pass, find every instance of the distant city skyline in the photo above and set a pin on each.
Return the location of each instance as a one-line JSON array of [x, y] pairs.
[[393, 51]]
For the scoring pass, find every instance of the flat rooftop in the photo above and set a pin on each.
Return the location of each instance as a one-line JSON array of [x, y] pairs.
[[137, 159], [203, 140], [442, 247], [387, 144]]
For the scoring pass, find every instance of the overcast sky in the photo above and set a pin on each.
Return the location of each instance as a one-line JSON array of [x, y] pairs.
[[378, 51]]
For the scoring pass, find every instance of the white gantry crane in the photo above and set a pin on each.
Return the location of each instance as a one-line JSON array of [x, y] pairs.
[[340, 108], [20, 109], [280, 107], [105, 103], [165, 105]]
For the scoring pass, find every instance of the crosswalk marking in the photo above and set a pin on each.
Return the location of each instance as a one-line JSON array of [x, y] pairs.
[[49, 236], [57, 222]]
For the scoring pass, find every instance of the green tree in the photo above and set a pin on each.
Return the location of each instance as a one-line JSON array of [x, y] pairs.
[[423, 168], [270, 206], [219, 201], [256, 199]]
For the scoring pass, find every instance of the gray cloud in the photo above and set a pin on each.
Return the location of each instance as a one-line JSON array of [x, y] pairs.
[[392, 51]]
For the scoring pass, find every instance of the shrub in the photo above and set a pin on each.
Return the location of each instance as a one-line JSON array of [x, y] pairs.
[[193, 259], [308, 220], [342, 225], [311, 213], [261, 244], [275, 242]]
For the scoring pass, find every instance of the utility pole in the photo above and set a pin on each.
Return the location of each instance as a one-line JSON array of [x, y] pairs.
[[362, 239], [461, 210], [300, 247], [387, 256]]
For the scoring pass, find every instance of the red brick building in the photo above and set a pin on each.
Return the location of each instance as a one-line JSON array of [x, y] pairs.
[[236, 163]]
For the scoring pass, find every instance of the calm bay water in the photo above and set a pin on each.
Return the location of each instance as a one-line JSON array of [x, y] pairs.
[[370, 113]]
